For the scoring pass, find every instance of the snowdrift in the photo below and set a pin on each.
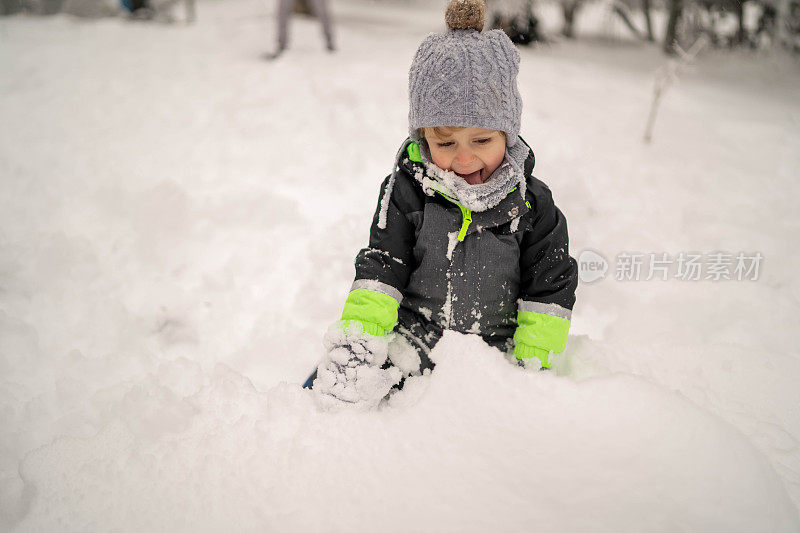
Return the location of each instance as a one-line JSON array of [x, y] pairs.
[[477, 445], [178, 220]]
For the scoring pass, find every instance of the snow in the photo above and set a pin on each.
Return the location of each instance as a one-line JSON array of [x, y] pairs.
[[478, 197], [425, 312], [452, 241], [484, 442], [178, 221], [351, 373]]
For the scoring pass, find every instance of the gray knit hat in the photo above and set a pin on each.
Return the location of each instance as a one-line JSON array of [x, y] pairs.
[[464, 77]]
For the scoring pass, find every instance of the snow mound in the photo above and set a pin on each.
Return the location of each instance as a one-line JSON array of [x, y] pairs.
[[476, 445]]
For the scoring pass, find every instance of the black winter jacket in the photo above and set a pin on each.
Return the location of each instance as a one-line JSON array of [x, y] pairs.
[[434, 265]]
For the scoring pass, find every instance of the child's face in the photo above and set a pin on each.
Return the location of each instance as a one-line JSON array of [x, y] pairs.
[[472, 153]]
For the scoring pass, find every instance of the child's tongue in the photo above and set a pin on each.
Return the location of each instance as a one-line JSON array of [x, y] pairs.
[[473, 178]]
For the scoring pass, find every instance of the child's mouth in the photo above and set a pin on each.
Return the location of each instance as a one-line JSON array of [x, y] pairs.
[[473, 178]]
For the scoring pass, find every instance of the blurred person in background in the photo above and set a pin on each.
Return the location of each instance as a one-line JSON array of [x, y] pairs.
[[318, 7], [159, 10], [139, 9]]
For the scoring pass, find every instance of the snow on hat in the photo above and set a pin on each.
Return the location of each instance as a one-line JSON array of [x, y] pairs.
[[464, 77]]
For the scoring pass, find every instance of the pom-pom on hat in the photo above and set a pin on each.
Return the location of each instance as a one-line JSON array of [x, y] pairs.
[[465, 15], [464, 77]]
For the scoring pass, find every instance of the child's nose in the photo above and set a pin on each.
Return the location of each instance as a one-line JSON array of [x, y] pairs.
[[465, 155]]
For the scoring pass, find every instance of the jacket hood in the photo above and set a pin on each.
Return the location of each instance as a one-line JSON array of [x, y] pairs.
[[404, 161], [512, 174], [409, 161]]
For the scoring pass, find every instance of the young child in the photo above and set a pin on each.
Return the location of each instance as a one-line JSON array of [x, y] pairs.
[[464, 237]]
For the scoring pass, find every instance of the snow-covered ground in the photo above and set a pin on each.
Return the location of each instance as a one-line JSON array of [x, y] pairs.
[[178, 219]]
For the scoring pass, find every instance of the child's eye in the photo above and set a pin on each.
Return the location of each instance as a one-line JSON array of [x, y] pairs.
[[482, 141], [444, 144]]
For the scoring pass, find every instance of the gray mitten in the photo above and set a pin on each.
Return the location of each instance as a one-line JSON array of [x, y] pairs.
[[351, 370]]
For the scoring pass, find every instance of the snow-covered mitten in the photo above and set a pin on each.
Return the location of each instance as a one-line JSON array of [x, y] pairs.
[[537, 359], [351, 370]]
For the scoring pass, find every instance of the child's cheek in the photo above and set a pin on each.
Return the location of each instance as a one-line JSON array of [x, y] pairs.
[[496, 158], [440, 160]]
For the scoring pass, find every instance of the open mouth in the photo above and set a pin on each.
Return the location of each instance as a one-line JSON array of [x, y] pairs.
[[473, 178]]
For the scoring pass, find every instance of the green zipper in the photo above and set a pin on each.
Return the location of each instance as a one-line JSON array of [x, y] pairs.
[[466, 215]]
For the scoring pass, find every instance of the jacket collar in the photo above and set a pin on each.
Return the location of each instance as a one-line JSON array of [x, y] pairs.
[[512, 206], [410, 160]]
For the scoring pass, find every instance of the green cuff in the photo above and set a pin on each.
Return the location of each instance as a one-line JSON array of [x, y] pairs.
[[542, 331], [376, 311], [523, 351], [538, 334], [366, 327]]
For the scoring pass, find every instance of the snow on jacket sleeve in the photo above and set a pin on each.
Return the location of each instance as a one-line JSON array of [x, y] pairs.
[[549, 277], [383, 268]]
